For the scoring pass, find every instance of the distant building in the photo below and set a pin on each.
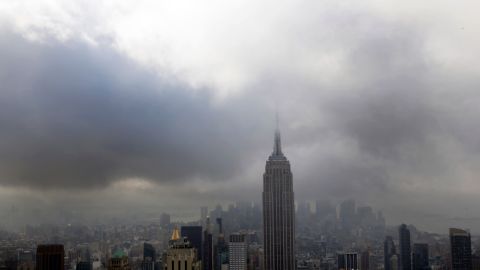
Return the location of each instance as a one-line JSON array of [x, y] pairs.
[[203, 214], [84, 266], [119, 261], [420, 257], [405, 260], [180, 254], [148, 264], [149, 257], [348, 261], [278, 211], [388, 251], [149, 252], [194, 235], [207, 248], [460, 249], [394, 262], [220, 253], [347, 214], [164, 219], [365, 260], [50, 257], [238, 252], [475, 262], [324, 209]]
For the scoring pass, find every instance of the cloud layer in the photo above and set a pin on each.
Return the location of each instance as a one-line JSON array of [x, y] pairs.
[[377, 103]]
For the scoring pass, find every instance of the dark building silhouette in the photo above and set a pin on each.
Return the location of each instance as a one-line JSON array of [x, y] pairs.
[[347, 214], [149, 252], [365, 260], [149, 257], [221, 248], [207, 249], [347, 261], [278, 211], [460, 249], [194, 236], [84, 266], [388, 251], [420, 257], [324, 209], [405, 250], [50, 257], [164, 219]]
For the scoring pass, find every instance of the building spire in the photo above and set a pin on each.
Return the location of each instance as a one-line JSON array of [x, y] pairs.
[[277, 146], [175, 234]]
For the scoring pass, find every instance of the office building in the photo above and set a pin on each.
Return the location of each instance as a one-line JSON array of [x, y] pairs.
[[220, 249], [405, 260], [84, 266], [50, 257], [119, 261], [388, 252], [460, 249], [238, 252], [347, 214], [207, 247], [278, 211], [180, 254], [194, 236], [420, 257], [347, 261]]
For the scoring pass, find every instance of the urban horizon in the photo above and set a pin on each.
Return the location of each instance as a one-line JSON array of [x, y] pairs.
[[239, 135]]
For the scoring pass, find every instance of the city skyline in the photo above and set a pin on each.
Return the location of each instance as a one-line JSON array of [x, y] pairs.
[[123, 109]]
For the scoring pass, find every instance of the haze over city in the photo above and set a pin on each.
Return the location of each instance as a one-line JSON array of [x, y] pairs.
[[115, 109]]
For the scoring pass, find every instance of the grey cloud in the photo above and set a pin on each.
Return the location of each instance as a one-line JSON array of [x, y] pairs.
[[76, 116]]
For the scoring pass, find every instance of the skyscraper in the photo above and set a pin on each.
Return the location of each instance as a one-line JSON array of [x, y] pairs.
[[180, 254], [220, 249], [207, 249], [420, 257], [347, 214], [238, 251], [347, 261], [388, 252], [194, 236], [278, 211], [50, 257], [405, 261], [461, 249]]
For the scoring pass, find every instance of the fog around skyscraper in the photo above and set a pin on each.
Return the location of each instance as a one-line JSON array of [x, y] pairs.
[[143, 107]]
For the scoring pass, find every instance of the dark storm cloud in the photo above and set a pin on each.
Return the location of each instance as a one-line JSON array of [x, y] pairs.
[[77, 116]]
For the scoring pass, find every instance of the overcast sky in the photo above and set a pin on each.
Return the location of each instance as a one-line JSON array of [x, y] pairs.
[[149, 106]]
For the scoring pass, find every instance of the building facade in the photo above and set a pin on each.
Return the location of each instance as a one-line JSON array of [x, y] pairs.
[[420, 257], [347, 261], [194, 236], [119, 261], [388, 251], [238, 252], [460, 249], [50, 257], [181, 255], [405, 249], [278, 211]]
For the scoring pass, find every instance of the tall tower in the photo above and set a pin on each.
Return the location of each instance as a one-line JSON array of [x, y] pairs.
[[388, 252], [278, 211], [405, 262], [460, 249], [181, 255]]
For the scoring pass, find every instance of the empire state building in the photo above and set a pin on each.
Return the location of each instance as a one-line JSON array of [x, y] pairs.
[[278, 211]]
